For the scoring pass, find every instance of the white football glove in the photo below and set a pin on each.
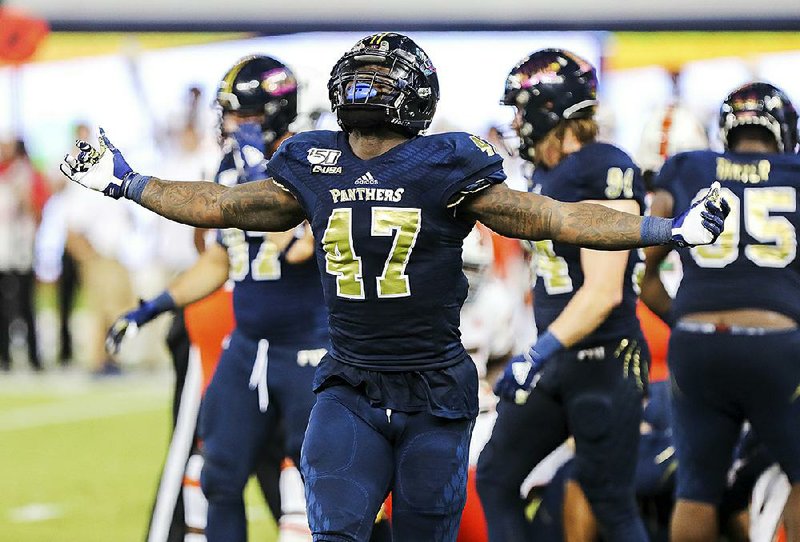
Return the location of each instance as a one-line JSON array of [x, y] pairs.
[[703, 222], [104, 170]]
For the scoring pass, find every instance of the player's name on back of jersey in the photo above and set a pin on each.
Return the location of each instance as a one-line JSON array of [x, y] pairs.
[[753, 173], [367, 194]]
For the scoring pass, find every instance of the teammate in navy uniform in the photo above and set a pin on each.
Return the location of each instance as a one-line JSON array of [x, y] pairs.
[[397, 393], [735, 357], [585, 309], [264, 375]]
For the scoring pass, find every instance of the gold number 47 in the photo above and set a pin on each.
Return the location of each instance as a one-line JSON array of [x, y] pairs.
[[342, 261]]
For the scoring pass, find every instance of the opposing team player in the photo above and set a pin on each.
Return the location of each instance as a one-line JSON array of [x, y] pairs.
[[734, 357], [264, 375], [397, 393], [585, 310]]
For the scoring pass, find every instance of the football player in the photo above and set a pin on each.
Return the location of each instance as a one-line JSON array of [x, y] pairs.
[[585, 310], [734, 358], [397, 392], [265, 372]]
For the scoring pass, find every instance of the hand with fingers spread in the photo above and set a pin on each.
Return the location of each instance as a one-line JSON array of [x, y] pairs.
[[104, 170], [703, 222], [130, 322]]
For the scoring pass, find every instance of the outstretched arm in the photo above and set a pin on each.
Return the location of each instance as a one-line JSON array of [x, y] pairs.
[[530, 216], [255, 206]]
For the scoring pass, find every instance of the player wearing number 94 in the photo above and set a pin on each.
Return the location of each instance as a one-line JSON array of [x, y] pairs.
[[735, 357], [590, 360], [397, 393]]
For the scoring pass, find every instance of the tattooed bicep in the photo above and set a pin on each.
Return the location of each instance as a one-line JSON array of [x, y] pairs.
[[262, 205], [509, 212]]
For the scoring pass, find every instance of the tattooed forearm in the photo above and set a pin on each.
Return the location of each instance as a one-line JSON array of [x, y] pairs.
[[530, 216], [257, 206]]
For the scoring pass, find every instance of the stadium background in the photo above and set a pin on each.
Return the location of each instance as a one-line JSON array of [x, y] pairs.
[[79, 457]]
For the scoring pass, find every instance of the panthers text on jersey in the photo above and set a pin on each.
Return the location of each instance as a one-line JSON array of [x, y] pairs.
[[388, 243], [597, 171], [753, 263]]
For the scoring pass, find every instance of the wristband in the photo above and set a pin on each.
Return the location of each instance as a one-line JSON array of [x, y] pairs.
[[133, 186], [656, 230], [162, 303], [547, 345]]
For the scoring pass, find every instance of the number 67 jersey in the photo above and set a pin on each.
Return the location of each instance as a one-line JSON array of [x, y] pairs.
[[754, 263], [388, 243]]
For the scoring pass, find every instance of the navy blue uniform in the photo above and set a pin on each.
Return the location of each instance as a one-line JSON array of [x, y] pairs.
[[592, 390], [722, 377], [397, 392], [265, 373], [596, 172]]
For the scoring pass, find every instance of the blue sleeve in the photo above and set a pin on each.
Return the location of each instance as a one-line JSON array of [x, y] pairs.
[[475, 165]]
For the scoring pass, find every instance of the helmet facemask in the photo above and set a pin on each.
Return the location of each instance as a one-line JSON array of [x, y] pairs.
[[370, 89]]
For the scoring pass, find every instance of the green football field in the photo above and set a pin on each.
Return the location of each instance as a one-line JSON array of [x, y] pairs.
[[80, 458]]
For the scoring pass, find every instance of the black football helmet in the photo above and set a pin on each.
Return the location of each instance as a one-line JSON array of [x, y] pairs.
[[760, 104], [547, 87], [385, 79], [261, 85]]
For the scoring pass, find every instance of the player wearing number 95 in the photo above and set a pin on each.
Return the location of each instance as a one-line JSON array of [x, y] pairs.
[[389, 208], [735, 357]]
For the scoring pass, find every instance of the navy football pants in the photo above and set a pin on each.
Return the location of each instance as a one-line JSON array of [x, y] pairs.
[[719, 381], [355, 453], [234, 429], [599, 402]]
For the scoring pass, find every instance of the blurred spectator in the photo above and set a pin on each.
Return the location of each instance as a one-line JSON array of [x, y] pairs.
[[21, 197], [53, 263], [160, 249], [97, 238]]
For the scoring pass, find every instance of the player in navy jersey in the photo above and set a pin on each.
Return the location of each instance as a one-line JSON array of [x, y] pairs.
[[735, 357], [590, 343], [264, 375], [396, 393]]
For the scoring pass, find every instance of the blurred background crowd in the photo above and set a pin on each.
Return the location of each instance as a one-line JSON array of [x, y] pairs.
[[70, 263]]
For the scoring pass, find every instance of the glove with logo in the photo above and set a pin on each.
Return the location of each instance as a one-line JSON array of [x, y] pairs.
[[703, 222], [104, 170], [522, 372]]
